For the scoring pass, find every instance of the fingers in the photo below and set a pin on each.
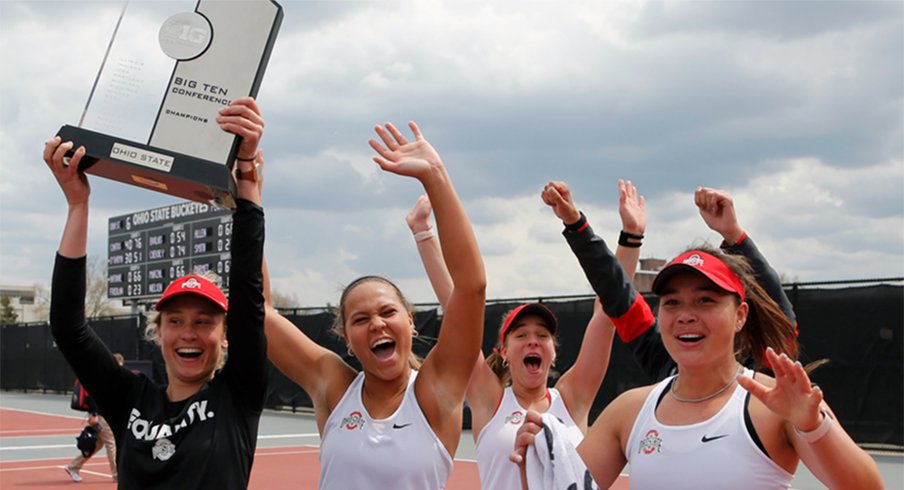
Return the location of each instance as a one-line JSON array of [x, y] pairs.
[[551, 195], [753, 386], [49, 148], [416, 131], [396, 134], [388, 140]]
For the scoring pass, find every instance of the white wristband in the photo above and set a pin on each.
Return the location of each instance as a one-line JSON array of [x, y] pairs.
[[424, 235], [817, 433]]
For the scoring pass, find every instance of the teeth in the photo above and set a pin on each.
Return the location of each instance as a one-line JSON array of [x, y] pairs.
[[188, 350], [380, 342], [690, 336]]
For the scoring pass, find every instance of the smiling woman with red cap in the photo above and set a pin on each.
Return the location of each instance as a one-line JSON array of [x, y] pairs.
[[197, 430], [514, 378], [701, 428]]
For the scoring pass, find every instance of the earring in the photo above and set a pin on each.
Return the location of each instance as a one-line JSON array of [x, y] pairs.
[[350, 353]]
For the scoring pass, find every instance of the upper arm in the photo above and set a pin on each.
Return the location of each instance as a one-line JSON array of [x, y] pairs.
[[603, 449], [311, 366], [580, 384], [484, 394]]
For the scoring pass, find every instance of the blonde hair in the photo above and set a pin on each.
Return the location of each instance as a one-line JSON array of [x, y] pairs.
[[339, 321], [152, 328]]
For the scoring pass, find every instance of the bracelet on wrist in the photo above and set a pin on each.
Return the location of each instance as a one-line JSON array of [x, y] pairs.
[[245, 159], [625, 236], [578, 226], [424, 235], [818, 433]]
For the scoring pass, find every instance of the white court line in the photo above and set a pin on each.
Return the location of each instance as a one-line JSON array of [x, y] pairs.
[[42, 413], [58, 446], [287, 436]]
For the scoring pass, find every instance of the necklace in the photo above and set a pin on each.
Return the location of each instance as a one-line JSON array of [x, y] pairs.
[[718, 392]]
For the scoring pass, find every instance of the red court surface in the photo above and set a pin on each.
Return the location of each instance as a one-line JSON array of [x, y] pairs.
[[295, 467]]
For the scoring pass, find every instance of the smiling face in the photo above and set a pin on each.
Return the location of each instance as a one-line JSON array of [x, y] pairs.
[[192, 338], [530, 351], [378, 328], [699, 320]]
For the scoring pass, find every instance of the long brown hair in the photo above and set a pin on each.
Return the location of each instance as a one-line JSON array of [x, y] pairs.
[[339, 321]]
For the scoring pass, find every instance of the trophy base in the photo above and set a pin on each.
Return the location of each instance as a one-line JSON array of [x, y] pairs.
[[153, 168]]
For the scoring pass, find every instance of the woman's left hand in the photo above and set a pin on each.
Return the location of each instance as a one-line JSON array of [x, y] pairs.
[[399, 156], [793, 397], [243, 118]]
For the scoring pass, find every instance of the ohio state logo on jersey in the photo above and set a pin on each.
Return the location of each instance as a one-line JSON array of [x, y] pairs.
[[353, 421], [650, 443], [515, 418]]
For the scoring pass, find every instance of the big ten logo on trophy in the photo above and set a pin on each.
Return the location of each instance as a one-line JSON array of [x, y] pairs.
[[150, 119]]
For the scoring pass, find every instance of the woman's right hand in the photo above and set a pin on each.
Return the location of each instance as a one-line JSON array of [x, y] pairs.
[[73, 182], [557, 195], [409, 158]]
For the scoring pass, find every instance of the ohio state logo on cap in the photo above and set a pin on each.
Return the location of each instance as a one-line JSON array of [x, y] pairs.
[[191, 284], [694, 261]]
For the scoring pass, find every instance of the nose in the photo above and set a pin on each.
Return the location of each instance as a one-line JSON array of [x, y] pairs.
[[685, 316], [377, 322]]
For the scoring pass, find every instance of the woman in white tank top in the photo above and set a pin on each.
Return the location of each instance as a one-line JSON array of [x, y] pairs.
[[711, 313], [514, 378], [391, 426]]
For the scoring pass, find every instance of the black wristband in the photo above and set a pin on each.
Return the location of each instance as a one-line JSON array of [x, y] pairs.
[[577, 225], [623, 237], [245, 159]]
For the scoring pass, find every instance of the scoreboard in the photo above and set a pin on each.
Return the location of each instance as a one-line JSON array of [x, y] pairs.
[[146, 250]]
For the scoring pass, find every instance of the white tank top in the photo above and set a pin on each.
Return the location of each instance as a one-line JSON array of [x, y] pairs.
[[497, 440], [716, 453], [399, 452]]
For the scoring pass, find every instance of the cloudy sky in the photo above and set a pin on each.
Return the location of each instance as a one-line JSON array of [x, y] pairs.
[[796, 108]]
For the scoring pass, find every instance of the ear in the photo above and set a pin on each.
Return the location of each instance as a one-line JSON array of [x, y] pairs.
[[225, 344], [741, 319]]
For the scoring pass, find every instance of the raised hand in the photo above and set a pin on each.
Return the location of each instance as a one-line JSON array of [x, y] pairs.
[[557, 195], [793, 397], [631, 208], [418, 218], [399, 156], [243, 118], [718, 211], [73, 183]]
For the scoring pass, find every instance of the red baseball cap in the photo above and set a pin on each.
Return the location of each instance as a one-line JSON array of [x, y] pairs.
[[194, 284], [707, 264], [538, 309]]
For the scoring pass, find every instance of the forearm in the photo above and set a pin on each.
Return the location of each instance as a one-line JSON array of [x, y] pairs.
[[837, 460], [624, 305], [247, 343], [83, 350], [461, 253], [74, 242], [432, 257], [765, 275]]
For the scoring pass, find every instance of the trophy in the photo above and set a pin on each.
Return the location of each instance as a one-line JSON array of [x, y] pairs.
[[150, 119]]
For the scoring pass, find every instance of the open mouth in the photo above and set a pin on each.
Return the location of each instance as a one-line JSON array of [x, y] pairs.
[[189, 353], [532, 362], [383, 348], [690, 337]]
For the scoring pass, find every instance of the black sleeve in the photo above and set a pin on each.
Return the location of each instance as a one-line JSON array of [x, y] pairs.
[[94, 365], [764, 273], [246, 368], [629, 311]]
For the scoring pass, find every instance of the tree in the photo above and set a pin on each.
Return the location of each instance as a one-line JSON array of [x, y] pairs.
[[7, 312], [96, 301]]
